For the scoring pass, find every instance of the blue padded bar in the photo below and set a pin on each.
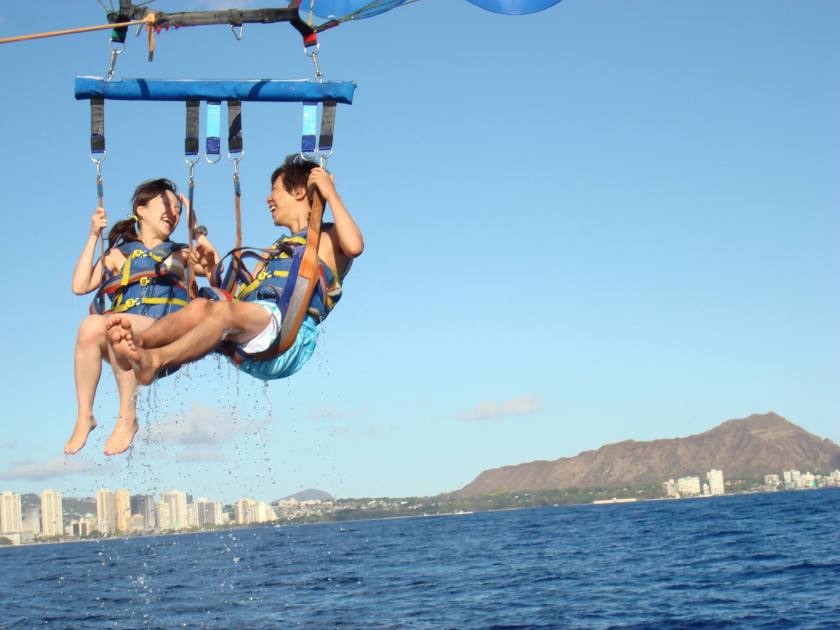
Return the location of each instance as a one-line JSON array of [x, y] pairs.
[[185, 89]]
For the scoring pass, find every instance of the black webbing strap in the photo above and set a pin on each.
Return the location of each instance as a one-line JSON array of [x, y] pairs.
[[325, 141], [235, 147], [123, 15], [235, 126], [97, 125], [191, 136]]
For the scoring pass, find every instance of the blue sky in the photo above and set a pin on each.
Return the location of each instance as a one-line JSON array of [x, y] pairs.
[[607, 221]]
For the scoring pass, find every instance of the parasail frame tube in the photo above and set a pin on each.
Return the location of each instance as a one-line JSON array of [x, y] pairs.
[[265, 90]]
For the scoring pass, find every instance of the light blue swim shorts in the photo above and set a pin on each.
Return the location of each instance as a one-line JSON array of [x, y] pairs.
[[290, 361]]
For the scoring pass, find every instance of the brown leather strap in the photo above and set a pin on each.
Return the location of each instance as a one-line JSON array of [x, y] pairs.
[[310, 270]]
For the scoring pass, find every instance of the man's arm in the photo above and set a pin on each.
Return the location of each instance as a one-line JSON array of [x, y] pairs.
[[343, 240]]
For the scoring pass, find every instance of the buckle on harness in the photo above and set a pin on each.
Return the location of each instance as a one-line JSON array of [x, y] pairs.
[[144, 281], [131, 302]]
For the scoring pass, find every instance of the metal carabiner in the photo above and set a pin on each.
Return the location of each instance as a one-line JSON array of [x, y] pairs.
[[323, 158], [312, 53], [191, 164], [98, 161], [209, 161], [112, 65], [238, 34]]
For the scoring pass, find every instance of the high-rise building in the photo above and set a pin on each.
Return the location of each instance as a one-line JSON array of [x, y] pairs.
[[162, 522], [106, 512], [715, 478], [209, 513], [10, 521], [771, 481], [177, 502], [144, 505], [245, 511], [138, 523], [52, 516], [688, 486], [264, 513], [192, 515], [122, 511], [30, 521]]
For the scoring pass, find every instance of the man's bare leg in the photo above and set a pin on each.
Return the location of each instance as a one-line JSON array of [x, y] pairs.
[[164, 330], [247, 320]]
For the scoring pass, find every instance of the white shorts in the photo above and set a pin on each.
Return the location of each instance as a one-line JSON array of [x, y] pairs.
[[268, 334]]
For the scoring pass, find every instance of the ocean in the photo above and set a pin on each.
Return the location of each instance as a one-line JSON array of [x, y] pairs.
[[746, 561]]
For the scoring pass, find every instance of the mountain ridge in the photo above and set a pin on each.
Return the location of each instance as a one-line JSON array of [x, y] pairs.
[[743, 448]]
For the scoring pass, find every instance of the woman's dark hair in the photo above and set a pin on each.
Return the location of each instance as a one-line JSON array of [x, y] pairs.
[[295, 171], [125, 231]]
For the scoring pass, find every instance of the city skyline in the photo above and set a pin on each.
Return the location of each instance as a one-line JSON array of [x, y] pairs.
[[177, 511]]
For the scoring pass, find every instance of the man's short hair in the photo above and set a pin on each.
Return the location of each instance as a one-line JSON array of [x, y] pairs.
[[295, 171]]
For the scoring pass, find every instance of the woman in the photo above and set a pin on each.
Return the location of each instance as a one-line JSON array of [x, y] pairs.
[[144, 280]]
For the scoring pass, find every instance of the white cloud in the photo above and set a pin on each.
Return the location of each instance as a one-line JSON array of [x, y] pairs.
[[53, 468], [491, 410], [202, 425]]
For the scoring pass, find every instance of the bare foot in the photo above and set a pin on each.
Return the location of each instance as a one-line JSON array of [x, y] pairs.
[[126, 352], [117, 329], [122, 436], [84, 425]]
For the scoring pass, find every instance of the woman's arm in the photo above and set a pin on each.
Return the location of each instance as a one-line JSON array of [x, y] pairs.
[[87, 275]]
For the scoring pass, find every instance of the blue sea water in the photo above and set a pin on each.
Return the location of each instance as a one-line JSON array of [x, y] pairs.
[[748, 561]]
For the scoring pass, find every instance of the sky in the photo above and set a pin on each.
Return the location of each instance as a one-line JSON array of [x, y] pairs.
[[606, 221]]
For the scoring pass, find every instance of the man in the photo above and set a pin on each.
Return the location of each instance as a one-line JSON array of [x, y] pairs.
[[253, 322]]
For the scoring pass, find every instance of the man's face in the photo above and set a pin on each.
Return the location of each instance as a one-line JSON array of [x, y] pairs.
[[280, 201]]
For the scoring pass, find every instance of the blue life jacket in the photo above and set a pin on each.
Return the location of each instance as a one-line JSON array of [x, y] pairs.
[[271, 281], [150, 283]]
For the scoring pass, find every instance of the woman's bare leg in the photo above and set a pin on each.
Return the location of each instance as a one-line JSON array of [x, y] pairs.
[[91, 347], [126, 426]]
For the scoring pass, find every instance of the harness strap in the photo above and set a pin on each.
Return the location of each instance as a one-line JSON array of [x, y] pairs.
[[132, 302], [191, 151], [97, 125], [235, 146], [191, 137], [325, 143], [213, 141], [234, 107], [308, 136]]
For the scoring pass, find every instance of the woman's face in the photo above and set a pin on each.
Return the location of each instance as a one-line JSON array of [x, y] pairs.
[[160, 215]]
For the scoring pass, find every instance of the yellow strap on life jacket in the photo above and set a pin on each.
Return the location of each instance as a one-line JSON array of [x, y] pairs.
[[261, 277], [132, 302]]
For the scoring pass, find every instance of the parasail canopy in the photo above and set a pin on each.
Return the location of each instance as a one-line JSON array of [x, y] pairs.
[[333, 9]]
